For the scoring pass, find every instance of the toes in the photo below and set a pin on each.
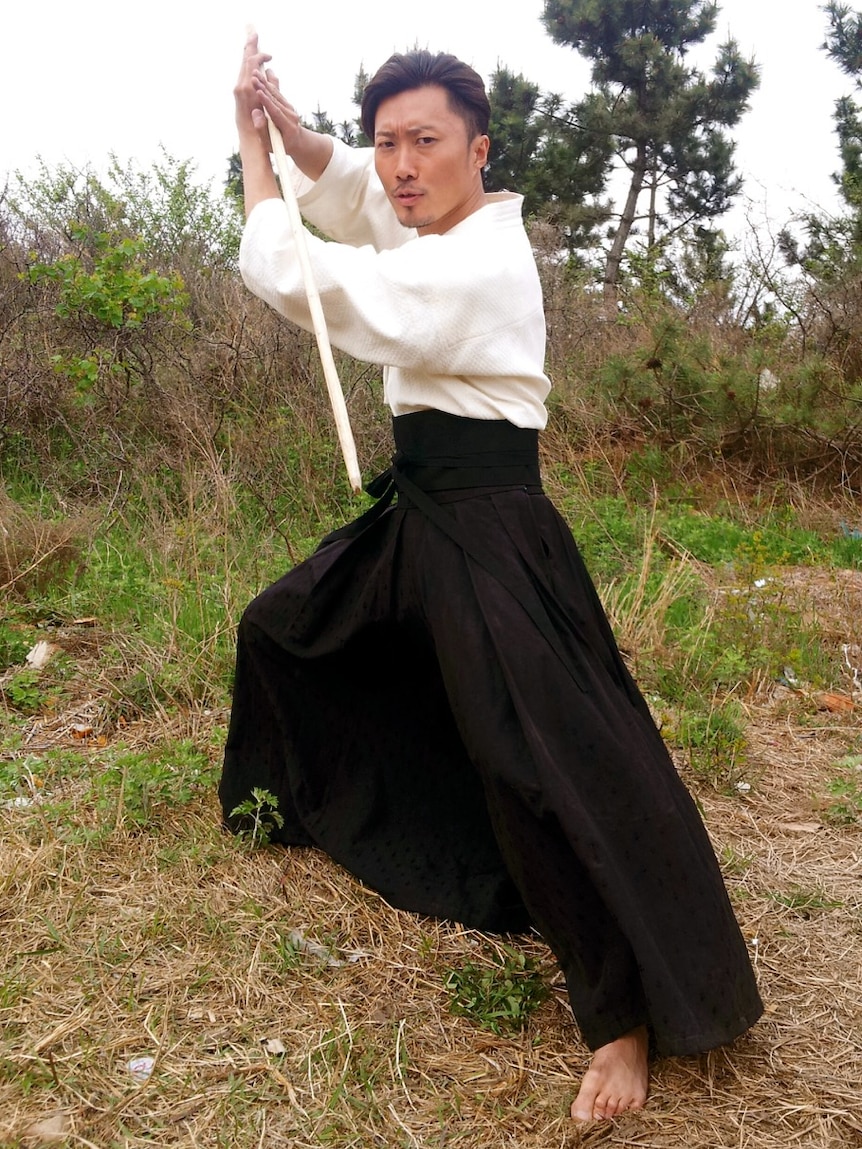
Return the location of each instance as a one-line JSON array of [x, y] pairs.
[[605, 1108], [579, 1113]]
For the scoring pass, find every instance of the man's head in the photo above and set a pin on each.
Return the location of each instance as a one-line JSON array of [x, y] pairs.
[[427, 117], [408, 70]]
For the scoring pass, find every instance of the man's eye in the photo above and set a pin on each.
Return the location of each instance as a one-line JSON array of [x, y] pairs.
[[426, 140]]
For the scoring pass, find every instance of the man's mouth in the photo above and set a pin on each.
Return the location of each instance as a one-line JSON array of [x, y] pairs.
[[407, 198]]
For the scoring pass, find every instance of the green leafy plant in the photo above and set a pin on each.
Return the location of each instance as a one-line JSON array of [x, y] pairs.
[[23, 692], [135, 785], [714, 739], [845, 790], [259, 817], [14, 644], [24, 774], [499, 996]]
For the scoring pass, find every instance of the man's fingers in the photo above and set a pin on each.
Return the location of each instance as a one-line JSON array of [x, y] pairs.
[[252, 52], [271, 79], [266, 86]]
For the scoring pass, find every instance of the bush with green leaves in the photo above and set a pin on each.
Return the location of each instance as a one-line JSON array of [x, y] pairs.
[[114, 307], [183, 223]]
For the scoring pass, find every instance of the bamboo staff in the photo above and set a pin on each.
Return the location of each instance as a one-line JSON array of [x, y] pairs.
[[318, 320]]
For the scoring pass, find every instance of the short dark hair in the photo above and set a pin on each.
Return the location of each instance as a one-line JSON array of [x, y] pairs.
[[419, 69]]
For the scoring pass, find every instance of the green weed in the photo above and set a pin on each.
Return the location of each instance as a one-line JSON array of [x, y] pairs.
[[258, 818], [609, 534], [26, 774], [15, 642], [804, 901], [734, 863], [846, 549], [845, 790], [750, 633], [286, 952], [135, 786], [23, 691], [499, 996], [717, 539], [714, 739]]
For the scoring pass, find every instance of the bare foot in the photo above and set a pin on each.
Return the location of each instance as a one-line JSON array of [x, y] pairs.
[[617, 1080]]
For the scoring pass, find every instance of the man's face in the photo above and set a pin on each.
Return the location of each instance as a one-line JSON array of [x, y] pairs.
[[431, 170]]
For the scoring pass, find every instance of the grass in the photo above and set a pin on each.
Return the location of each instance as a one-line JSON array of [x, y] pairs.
[[805, 901], [168, 939], [282, 1002], [133, 950]]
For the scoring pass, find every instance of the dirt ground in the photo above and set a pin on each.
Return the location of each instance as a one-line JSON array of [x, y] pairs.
[[174, 942]]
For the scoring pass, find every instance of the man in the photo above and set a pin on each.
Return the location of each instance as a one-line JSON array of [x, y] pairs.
[[435, 695]]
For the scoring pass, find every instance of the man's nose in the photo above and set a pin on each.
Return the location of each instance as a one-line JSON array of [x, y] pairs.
[[405, 164]]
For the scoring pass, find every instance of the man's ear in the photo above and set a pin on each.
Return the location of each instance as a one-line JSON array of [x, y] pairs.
[[480, 148]]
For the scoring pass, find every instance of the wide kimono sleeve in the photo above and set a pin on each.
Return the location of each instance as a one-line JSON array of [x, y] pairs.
[[466, 303]]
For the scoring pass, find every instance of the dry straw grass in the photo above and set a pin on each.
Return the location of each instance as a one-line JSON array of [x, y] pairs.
[[33, 550], [173, 941]]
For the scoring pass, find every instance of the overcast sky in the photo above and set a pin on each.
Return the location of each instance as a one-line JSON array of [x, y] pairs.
[[80, 80]]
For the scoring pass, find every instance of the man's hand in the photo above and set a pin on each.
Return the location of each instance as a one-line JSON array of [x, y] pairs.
[[282, 114], [257, 177], [249, 108], [257, 94]]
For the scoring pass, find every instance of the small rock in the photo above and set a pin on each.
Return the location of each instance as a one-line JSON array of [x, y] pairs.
[[49, 1129]]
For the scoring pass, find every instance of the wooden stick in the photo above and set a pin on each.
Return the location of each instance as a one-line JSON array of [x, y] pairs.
[[318, 320]]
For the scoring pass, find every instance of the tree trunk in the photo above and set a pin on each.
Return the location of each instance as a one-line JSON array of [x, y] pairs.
[[615, 255], [653, 195]]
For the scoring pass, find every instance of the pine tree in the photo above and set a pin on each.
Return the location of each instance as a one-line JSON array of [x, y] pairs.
[[844, 46], [667, 120], [832, 253], [538, 150]]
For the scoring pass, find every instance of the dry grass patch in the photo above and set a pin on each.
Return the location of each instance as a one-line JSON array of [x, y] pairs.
[[35, 551], [284, 1004]]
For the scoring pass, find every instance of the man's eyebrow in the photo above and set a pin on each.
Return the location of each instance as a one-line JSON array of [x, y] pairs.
[[410, 131]]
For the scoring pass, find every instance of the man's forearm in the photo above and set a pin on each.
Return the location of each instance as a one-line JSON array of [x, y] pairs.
[[258, 179], [311, 152]]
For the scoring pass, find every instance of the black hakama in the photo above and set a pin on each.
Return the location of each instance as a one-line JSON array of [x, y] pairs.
[[437, 701]]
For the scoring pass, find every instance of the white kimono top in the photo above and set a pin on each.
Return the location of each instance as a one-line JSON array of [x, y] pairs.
[[456, 320]]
